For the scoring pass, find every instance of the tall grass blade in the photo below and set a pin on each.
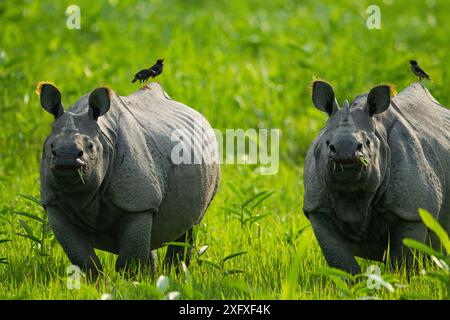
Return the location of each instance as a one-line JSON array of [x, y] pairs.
[[433, 225], [233, 255]]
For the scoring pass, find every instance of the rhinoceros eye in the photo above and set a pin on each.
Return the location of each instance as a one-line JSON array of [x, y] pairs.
[[90, 146], [328, 143], [368, 142]]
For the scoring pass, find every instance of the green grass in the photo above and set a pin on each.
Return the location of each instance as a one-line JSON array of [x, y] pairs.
[[243, 64]]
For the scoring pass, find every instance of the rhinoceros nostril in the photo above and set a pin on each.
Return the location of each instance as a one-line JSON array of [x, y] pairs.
[[359, 147], [80, 154], [332, 148], [54, 153]]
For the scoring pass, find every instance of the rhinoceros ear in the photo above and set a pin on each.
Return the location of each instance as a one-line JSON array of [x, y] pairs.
[[323, 97], [50, 99], [378, 100], [99, 102]]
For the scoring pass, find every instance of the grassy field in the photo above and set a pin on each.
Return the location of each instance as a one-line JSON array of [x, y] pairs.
[[243, 64]]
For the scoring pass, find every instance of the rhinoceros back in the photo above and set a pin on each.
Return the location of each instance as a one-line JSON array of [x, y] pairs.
[[419, 138]]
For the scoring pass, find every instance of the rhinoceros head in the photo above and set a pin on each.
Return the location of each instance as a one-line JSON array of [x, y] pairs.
[[73, 154], [351, 153]]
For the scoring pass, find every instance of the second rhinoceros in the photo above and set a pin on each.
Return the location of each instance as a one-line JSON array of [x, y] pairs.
[[376, 162], [112, 179]]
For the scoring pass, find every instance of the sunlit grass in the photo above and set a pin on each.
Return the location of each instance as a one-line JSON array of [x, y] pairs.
[[243, 64]]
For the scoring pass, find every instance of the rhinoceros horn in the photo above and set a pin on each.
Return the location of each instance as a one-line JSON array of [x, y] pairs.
[[69, 126], [345, 118]]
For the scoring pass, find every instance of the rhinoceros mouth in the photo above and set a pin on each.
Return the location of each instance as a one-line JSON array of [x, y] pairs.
[[70, 169], [345, 165], [345, 160], [65, 168], [346, 171]]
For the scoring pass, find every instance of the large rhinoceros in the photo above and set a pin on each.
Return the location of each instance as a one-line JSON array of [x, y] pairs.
[[112, 179], [376, 162]]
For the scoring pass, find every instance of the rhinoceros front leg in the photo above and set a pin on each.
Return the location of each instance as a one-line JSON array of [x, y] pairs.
[[176, 254], [335, 247], [400, 255], [75, 243], [134, 242]]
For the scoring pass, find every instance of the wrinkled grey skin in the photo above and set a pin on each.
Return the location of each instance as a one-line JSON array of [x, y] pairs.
[[132, 198], [356, 210]]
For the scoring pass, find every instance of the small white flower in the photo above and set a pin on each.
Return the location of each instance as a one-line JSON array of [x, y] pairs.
[[163, 283], [184, 267], [202, 250], [87, 71], [174, 295], [107, 296], [440, 263]]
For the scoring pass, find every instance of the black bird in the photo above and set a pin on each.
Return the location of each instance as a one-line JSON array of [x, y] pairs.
[[152, 72], [418, 71]]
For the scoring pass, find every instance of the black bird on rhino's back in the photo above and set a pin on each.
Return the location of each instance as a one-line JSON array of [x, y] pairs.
[[418, 71], [151, 72]]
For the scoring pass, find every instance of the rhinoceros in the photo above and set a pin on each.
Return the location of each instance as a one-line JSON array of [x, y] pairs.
[[369, 170], [110, 178]]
